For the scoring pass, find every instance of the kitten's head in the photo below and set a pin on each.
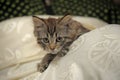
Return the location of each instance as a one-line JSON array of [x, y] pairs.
[[52, 34]]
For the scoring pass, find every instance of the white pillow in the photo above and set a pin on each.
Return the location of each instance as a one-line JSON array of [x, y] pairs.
[[94, 56]]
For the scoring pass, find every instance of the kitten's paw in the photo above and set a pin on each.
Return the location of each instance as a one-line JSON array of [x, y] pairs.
[[42, 67]]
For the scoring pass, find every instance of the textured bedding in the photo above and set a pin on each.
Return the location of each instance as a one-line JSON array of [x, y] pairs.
[[93, 56]]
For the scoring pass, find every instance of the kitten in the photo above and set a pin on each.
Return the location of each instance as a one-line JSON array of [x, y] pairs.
[[55, 36]]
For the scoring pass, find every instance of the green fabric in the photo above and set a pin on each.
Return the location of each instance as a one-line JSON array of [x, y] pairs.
[[102, 9], [15, 8]]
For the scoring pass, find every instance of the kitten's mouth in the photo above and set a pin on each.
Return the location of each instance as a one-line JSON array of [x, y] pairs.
[[55, 51]]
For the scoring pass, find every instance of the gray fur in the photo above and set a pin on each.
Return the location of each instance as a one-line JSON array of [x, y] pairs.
[[55, 36]]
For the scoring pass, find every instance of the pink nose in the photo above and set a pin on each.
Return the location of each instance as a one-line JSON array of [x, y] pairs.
[[52, 46]]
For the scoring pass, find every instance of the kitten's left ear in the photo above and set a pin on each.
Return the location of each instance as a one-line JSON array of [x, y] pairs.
[[65, 19]]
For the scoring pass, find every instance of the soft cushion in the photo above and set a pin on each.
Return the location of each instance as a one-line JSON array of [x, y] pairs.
[[94, 56]]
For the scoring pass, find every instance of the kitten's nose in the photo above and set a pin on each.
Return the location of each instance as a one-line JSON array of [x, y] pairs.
[[52, 46]]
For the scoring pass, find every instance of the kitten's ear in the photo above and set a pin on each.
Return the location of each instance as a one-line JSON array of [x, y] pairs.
[[39, 25], [65, 19], [37, 21]]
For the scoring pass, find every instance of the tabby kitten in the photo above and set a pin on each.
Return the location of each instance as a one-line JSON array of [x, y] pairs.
[[55, 36]]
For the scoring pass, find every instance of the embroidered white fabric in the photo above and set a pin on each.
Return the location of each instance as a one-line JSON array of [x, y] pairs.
[[93, 56]]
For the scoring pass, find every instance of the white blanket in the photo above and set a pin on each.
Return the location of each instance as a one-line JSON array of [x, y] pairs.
[[94, 56]]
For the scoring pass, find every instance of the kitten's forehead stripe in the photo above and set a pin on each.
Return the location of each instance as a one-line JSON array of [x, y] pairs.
[[51, 22]]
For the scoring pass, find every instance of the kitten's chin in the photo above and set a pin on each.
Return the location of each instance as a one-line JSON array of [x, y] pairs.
[[54, 51]]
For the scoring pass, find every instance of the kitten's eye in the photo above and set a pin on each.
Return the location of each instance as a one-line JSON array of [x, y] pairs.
[[45, 40], [59, 39]]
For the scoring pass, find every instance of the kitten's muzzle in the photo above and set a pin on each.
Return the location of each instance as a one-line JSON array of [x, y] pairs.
[[52, 46]]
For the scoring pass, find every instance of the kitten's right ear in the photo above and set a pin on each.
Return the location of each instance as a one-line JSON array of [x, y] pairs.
[[37, 21], [38, 25]]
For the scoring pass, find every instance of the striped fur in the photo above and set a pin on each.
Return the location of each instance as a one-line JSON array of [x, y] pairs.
[[56, 35]]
